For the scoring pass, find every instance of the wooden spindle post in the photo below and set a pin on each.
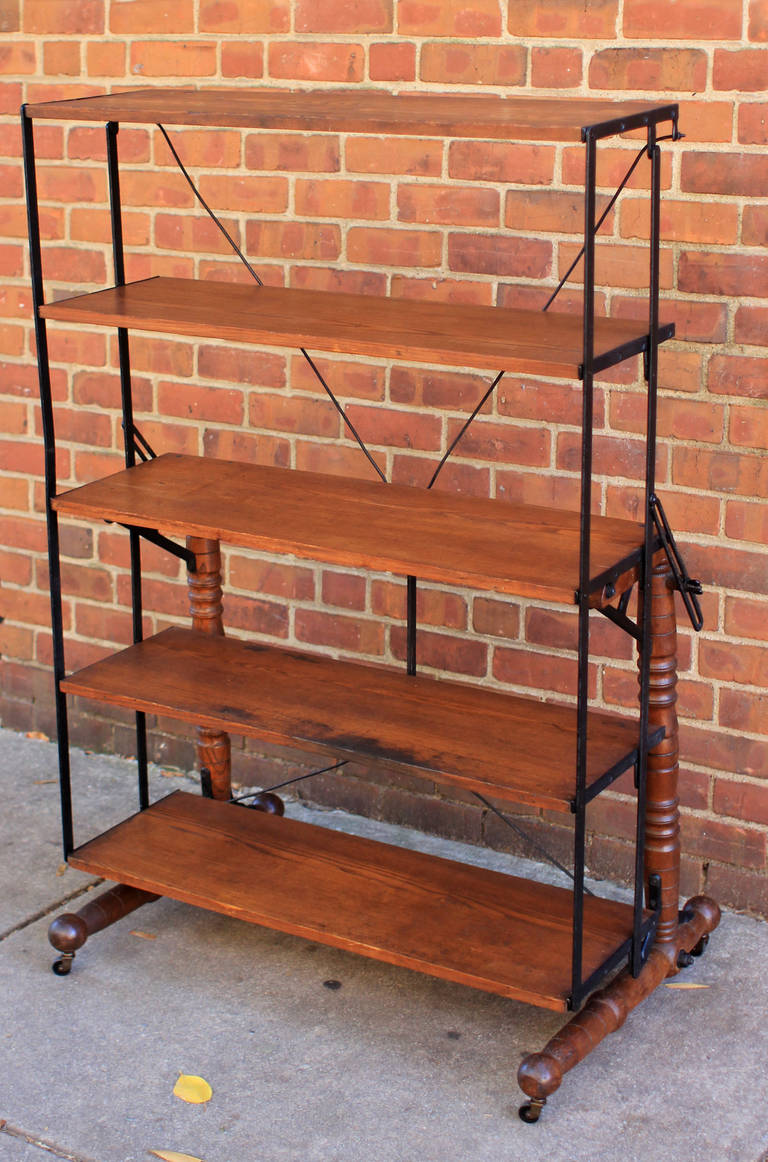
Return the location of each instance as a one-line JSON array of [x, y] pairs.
[[205, 607]]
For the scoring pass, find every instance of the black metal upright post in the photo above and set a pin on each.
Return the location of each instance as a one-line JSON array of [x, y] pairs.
[[651, 366], [49, 444], [129, 440], [582, 707]]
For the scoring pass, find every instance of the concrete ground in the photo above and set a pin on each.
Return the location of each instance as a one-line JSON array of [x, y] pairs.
[[390, 1066]]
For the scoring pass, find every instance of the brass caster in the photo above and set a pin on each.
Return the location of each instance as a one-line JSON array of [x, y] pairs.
[[63, 966], [530, 1111]]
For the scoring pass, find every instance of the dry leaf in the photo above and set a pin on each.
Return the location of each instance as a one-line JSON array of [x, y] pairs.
[[143, 935], [37, 734], [192, 1089], [60, 870], [43, 782], [175, 1156], [172, 774], [684, 984]]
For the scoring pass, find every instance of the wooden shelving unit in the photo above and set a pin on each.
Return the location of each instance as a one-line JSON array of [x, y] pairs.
[[547, 945]]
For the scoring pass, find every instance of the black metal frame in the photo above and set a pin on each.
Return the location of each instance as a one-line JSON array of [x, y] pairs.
[[657, 532]]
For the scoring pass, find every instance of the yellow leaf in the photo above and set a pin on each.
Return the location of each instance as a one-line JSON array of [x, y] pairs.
[[175, 1156], [143, 935], [684, 984], [37, 734], [61, 869], [192, 1089]]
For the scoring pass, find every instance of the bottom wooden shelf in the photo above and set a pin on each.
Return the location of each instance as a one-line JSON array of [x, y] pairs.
[[463, 923]]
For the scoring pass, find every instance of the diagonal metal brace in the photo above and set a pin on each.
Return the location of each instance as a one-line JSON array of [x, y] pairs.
[[690, 589], [156, 538], [618, 615]]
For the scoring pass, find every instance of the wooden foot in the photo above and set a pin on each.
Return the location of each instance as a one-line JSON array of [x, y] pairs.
[[70, 931], [540, 1074]]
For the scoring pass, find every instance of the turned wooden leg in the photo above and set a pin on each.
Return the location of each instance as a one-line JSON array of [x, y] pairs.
[[70, 931], [204, 588], [540, 1074]]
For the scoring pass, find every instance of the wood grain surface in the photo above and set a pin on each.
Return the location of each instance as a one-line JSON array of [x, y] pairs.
[[520, 549], [463, 923], [509, 747], [358, 110], [451, 334]]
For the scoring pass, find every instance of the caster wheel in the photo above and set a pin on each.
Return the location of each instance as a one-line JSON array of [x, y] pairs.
[[268, 802], [530, 1112], [62, 967], [699, 949], [684, 959]]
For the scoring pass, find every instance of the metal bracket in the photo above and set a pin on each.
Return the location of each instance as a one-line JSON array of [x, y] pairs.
[[156, 538], [142, 447], [618, 615], [690, 589]]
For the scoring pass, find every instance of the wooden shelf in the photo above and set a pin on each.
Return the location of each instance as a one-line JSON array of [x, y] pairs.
[[451, 920], [358, 110], [437, 536], [511, 748], [450, 334]]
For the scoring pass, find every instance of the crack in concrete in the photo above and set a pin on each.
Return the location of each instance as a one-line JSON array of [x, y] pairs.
[[41, 1143], [54, 907]]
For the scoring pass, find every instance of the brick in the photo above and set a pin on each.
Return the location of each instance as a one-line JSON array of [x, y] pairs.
[[444, 290], [62, 57], [310, 417], [706, 121], [136, 17], [211, 148], [758, 21], [450, 390], [546, 402], [552, 211], [390, 247], [87, 144], [473, 64], [730, 568], [173, 58], [556, 67], [272, 577], [10, 97], [743, 70], [399, 429], [105, 58], [749, 426], [586, 19], [242, 59], [387, 155], [81, 427], [720, 471], [316, 61], [727, 662], [499, 255], [753, 123], [193, 235], [612, 167], [191, 402], [10, 15], [293, 240], [255, 616], [390, 61], [293, 152], [751, 326], [738, 888], [454, 477], [433, 606], [618, 265], [449, 18], [739, 375], [233, 445], [72, 185], [343, 16], [704, 222], [754, 226], [231, 16], [267, 195], [12, 261], [85, 347], [744, 710], [336, 460], [70, 17], [726, 842], [161, 355], [448, 204], [495, 617], [85, 226], [746, 522], [746, 617], [673, 69], [353, 378], [497, 161], [683, 19], [443, 652], [687, 513], [18, 57], [743, 174], [338, 631], [343, 590], [334, 198], [502, 443], [538, 670]]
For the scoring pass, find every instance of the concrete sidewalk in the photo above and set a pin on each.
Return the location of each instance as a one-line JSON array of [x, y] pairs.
[[391, 1066]]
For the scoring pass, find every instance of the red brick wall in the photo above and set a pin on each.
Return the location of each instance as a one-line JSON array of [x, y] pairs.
[[477, 221]]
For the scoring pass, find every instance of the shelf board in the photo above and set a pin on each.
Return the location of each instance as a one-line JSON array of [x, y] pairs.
[[512, 748], [469, 541], [462, 923], [451, 334], [359, 110]]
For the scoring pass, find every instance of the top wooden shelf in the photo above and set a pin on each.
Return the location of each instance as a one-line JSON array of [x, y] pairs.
[[356, 110]]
